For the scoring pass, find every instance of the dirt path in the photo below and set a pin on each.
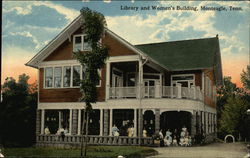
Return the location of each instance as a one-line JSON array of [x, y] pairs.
[[215, 150]]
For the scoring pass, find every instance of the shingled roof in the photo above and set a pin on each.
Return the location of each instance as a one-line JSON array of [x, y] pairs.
[[183, 55]]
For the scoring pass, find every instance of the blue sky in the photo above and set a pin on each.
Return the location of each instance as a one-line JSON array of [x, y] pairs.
[[29, 25]]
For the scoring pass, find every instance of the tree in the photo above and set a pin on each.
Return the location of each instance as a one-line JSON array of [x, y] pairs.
[[93, 25], [233, 116], [245, 78], [17, 113], [224, 92]]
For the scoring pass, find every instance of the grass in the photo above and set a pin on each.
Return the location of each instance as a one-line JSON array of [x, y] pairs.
[[92, 151]]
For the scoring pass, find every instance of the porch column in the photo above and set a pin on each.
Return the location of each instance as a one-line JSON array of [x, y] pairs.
[[140, 123], [157, 120], [178, 85], [74, 121], [107, 80], [193, 124], [38, 121], [110, 122], [215, 122], [59, 119], [194, 91], [140, 78], [101, 122], [42, 121], [70, 121], [105, 122], [79, 122], [212, 123], [135, 122]]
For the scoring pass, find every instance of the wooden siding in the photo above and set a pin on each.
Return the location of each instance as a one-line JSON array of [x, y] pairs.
[[63, 52], [208, 100], [116, 48]]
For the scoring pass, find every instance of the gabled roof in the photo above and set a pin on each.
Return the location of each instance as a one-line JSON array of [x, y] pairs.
[[183, 55], [65, 34]]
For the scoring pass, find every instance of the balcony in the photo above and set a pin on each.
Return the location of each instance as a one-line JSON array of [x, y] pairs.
[[157, 91]]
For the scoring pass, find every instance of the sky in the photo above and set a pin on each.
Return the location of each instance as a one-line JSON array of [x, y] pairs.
[[27, 26]]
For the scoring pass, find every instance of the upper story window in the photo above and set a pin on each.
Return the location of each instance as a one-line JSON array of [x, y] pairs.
[[186, 80], [81, 43], [48, 77], [58, 76], [65, 76], [76, 75]]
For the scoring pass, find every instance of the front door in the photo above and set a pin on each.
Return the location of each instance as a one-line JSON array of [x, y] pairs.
[[149, 88]]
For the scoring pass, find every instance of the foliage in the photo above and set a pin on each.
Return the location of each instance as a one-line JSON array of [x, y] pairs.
[[231, 102], [93, 26], [224, 92], [232, 117], [17, 112], [93, 151], [245, 78]]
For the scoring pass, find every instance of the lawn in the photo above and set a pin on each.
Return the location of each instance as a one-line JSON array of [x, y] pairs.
[[92, 151]]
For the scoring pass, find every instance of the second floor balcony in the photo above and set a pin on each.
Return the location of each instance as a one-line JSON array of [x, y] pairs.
[[157, 91]]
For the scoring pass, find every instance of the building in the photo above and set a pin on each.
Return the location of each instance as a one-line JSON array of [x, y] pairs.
[[154, 87]]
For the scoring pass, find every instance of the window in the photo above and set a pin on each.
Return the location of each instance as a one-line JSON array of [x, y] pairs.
[[66, 76], [186, 80], [48, 77], [76, 76], [98, 84], [81, 43], [58, 77]]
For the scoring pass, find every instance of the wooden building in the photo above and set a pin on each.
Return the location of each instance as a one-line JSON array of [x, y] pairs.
[[156, 86]]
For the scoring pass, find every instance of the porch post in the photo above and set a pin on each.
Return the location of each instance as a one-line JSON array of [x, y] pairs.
[[194, 91], [157, 120], [178, 85], [74, 121], [135, 122], [193, 124], [105, 122], [107, 80], [70, 121], [42, 121], [110, 122], [101, 122], [59, 119], [38, 121], [79, 122]]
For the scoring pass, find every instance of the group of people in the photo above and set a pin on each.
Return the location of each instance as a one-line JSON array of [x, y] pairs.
[[176, 139], [61, 131], [130, 131]]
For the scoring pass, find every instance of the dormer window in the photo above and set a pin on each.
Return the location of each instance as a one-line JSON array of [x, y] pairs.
[[81, 43]]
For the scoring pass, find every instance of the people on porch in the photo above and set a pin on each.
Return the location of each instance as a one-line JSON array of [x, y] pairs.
[[46, 130], [160, 134], [130, 131], [115, 131], [175, 143], [144, 133]]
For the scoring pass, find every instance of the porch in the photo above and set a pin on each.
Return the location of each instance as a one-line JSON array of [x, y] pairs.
[[75, 140], [157, 91]]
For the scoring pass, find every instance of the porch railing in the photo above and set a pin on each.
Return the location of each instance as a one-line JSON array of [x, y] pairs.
[[93, 140], [157, 92]]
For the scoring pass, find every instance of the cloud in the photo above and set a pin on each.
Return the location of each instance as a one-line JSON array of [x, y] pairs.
[[25, 8]]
